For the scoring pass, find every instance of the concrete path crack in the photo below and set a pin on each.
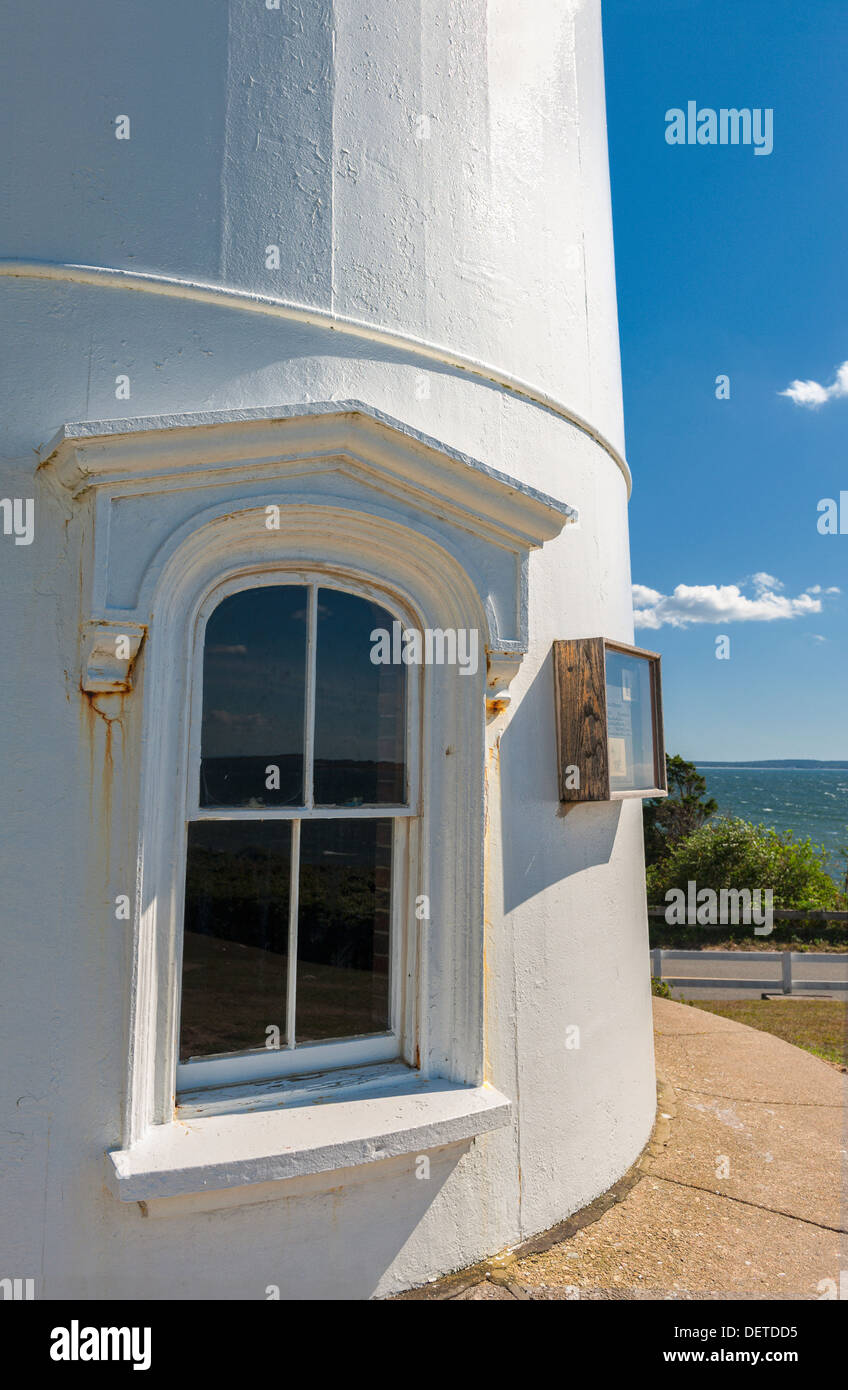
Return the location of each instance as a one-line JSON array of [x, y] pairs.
[[743, 1201], [755, 1100]]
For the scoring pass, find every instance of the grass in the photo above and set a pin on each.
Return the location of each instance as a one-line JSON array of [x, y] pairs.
[[819, 1026]]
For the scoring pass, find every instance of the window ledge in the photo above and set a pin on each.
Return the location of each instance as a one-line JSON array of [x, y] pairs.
[[298, 1140]]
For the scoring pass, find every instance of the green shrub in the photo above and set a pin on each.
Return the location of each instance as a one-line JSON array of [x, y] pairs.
[[660, 988], [668, 820], [731, 853]]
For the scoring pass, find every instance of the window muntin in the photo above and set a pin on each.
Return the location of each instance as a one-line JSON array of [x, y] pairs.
[[290, 907]]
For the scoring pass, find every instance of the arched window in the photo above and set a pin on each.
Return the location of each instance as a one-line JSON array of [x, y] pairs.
[[301, 789], [292, 887]]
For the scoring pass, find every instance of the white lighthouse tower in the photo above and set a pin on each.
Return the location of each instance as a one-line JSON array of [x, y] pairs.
[[309, 333]]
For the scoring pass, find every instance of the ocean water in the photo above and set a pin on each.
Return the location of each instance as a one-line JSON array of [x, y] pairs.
[[809, 801]]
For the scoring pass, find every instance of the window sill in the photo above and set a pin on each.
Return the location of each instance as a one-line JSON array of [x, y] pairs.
[[298, 1135]]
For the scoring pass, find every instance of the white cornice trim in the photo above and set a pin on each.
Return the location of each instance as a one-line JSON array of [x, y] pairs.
[[200, 292], [162, 451]]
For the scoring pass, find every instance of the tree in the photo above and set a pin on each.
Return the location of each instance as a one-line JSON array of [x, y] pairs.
[[668, 821], [732, 853]]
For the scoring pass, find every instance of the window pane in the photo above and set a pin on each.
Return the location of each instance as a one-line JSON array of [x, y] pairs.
[[254, 676], [630, 722], [236, 936], [359, 707], [343, 929]]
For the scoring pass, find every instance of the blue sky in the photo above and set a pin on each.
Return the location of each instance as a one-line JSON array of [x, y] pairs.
[[734, 263]]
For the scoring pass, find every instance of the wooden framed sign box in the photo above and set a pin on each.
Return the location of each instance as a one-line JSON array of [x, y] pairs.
[[609, 721]]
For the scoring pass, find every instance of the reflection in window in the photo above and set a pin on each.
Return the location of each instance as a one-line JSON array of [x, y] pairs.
[[235, 942], [288, 898], [254, 679], [359, 707], [343, 928]]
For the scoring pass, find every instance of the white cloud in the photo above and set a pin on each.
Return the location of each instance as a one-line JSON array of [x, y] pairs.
[[644, 597], [722, 603], [813, 394], [763, 582]]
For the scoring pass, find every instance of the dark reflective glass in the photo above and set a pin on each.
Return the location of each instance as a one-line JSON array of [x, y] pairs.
[[254, 678], [343, 929], [360, 710], [236, 936]]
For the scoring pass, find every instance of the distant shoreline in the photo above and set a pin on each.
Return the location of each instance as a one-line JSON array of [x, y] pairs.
[[784, 764]]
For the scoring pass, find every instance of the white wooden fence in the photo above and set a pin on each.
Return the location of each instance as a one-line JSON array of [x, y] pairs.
[[778, 983]]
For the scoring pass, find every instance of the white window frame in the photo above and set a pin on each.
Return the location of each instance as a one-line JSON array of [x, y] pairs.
[[405, 569], [166, 507], [398, 1041]]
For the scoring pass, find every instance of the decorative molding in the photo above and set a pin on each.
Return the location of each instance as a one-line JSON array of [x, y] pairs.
[[161, 451], [502, 664], [107, 277], [156, 482], [109, 651]]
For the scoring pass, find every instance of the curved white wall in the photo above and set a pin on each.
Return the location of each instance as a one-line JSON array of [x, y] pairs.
[[438, 170]]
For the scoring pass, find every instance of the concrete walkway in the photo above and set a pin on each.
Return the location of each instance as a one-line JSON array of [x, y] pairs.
[[741, 1193]]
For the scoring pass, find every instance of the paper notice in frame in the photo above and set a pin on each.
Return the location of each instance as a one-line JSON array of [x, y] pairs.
[[617, 757], [620, 730]]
